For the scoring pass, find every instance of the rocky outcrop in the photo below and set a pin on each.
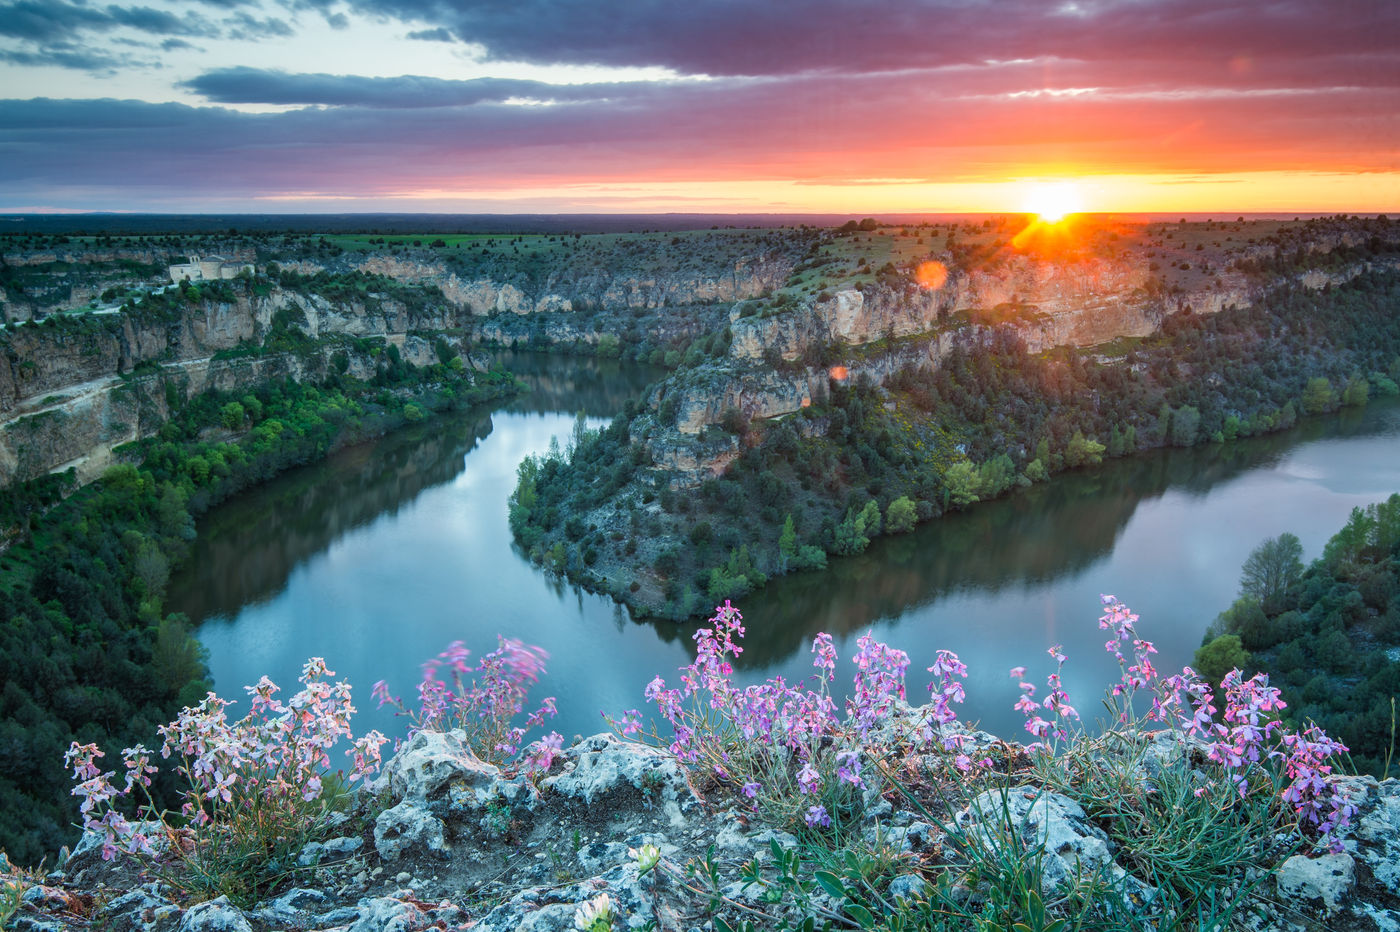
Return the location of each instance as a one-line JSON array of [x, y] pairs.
[[703, 395], [462, 844], [72, 390], [565, 288]]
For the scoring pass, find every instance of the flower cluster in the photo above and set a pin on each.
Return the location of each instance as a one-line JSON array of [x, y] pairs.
[[258, 778], [484, 701], [1241, 738], [778, 743]]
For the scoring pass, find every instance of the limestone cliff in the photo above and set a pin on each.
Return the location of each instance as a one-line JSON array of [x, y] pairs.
[[72, 389], [566, 287]]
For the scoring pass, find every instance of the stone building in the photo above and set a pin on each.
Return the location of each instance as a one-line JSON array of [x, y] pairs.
[[209, 268]]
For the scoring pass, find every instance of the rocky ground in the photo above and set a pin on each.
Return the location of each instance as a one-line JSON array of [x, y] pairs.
[[459, 845]]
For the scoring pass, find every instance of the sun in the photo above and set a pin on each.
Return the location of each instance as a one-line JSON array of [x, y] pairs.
[[1053, 201]]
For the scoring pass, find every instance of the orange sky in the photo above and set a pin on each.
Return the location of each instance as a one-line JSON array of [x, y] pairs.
[[857, 106]]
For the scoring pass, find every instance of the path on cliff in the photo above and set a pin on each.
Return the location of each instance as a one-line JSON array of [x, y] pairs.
[[70, 394]]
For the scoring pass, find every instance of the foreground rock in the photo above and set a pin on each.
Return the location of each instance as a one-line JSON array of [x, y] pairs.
[[462, 845]]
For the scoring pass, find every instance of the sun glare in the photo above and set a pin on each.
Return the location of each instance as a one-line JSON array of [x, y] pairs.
[[1052, 202]]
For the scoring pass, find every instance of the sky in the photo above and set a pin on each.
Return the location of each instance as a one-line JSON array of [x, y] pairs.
[[705, 106]]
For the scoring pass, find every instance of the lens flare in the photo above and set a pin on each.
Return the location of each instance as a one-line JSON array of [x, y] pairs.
[[932, 274]]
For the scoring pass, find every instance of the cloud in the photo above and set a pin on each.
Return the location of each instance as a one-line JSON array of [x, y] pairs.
[[54, 20], [244, 26], [244, 85], [740, 37], [66, 55], [156, 22], [432, 35], [823, 92], [823, 128]]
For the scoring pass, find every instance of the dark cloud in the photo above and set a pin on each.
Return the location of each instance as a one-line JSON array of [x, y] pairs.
[[257, 86], [244, 26], [52, 20], [78, 58], [742, 37], [432, 35], [338, 21], [170, 45], [156, 22]]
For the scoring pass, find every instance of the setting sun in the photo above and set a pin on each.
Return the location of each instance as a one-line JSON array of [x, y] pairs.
[[1051, 202]]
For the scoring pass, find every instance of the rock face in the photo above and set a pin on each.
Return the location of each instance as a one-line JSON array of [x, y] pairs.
[[564, 288], [70, 391]]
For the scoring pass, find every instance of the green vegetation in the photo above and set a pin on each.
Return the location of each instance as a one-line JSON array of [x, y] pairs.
[[86, 651], [1328, 636], [988, 419]]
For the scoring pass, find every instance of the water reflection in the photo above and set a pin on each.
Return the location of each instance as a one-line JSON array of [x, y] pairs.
[[381, 555], [1030, 538], [246, 549], [569, 384]]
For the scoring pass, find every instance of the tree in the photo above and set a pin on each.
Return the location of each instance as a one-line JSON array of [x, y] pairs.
[[850, 534], [787, 543], [1357, 393], [1082, 452], [1317, 395], [1270, 569], [1186, 421], [232, 415], [870, 517], [1220, 656], [734, 421], [901, 516], [963, 482]]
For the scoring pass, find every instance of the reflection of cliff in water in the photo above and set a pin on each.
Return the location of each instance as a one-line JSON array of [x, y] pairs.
[[569, 384], [247, 548], [1042, 533]]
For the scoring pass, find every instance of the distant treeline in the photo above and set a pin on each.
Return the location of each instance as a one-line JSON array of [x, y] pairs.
[[148, 224]]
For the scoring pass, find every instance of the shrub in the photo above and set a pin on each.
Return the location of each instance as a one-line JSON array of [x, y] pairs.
[[255, 791]]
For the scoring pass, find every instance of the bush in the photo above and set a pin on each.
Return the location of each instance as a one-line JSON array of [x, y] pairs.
[[254, 791]]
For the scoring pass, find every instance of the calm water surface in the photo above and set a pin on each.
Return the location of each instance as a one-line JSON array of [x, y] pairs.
[[379, 557]]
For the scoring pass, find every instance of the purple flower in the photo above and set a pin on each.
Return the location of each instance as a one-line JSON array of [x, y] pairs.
[[817, 817], [848, 767]]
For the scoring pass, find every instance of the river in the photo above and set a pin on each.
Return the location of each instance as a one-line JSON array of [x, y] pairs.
[[380, 556]]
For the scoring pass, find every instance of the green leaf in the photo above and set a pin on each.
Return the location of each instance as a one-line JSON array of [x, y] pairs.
[[862, 915], [831, 884], [722, 925]]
